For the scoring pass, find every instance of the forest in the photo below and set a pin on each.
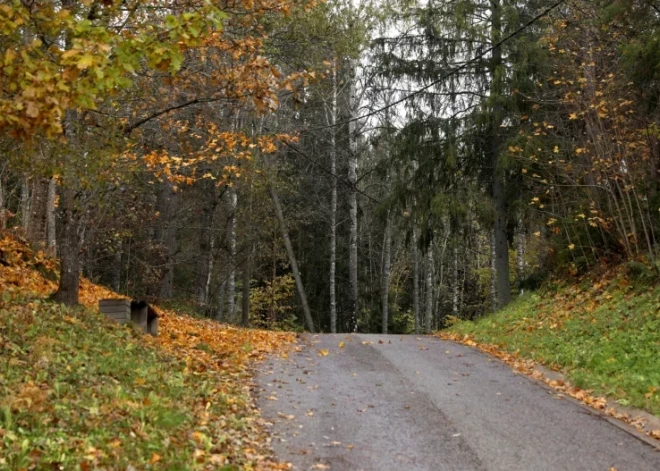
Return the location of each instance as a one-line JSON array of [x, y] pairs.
[[337, 166]]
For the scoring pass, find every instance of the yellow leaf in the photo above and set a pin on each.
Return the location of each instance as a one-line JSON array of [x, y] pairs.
[[155, 458], [324, 353], [85, 61], [10, 55]]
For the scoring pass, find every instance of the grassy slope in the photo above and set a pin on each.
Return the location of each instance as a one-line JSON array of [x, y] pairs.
[[605, 335], [81, 392]]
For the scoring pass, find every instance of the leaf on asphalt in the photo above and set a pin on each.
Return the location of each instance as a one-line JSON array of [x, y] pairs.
[[341, 344], [324, 353]]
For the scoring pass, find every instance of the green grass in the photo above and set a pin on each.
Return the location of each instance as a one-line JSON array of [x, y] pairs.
[[79, 392], [606, 336]]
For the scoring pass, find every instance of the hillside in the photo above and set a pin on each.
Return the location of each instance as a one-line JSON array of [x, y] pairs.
[[78, 391], [603, 333]]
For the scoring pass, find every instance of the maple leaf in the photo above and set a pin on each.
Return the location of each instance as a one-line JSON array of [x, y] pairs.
[[84, 61]]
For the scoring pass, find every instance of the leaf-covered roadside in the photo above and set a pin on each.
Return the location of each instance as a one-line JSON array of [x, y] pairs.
[[603, 333], [78, 391]]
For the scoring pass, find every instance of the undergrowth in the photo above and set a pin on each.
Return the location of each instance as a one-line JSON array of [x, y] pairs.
[[80, 392]]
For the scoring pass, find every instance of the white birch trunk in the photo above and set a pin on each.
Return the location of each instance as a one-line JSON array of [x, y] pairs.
[[333, 205]]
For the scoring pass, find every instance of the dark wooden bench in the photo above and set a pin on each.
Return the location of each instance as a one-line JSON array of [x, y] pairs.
[[138, 312]]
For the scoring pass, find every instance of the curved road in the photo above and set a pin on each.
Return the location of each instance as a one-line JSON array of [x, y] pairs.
[[421, 403]]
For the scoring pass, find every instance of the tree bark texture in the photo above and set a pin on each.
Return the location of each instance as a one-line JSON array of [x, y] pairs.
[[333, 205], [352, 201], [231, 241], [416, 280], [499, 193], [67, 291], [205, 260], [385, 296], [51, 219], [429, 290], [245, 297]]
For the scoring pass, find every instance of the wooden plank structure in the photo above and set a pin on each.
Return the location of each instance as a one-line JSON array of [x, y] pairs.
[[138, 312], [117, 309]]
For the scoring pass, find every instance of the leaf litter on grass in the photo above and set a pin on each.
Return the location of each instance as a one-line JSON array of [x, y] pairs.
[[78, 391], [602, 331]]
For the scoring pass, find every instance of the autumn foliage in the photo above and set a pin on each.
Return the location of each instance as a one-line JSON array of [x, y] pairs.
[[83, 392]]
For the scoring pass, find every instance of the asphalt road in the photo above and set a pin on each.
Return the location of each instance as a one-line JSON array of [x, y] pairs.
[[421, 403]]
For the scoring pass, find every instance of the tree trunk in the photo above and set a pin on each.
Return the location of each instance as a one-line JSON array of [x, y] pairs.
[[493, 272], [170, 203], [209, 272], [520, 253], [429, 289], [292, 260], [231, 240], [67, 291], [454, 281], [25, 204], [51, 221], [37, 225], [416, 280], [333, 205], [352, 201], [3, 209], [387, 249], [499, 194], [115, 277], [205, 254], [220, 308], [245, 298]]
